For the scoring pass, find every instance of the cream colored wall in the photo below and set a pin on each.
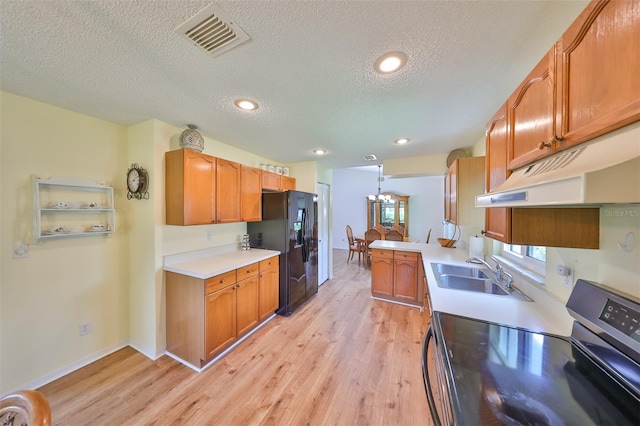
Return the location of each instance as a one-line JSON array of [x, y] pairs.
[[63, 282], [425, 165]]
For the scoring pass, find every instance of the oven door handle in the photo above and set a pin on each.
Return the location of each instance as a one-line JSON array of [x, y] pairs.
[[425, 376]]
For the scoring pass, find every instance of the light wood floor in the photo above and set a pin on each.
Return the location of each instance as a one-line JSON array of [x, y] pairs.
[[342, 359]]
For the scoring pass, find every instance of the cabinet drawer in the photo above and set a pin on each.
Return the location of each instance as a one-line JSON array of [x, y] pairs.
[[269, 263], [380, 253], [220, 281], [405, 255], [247, 271]]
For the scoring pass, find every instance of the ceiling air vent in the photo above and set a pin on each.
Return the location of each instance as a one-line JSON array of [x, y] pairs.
[[213, 30], [369, 157]]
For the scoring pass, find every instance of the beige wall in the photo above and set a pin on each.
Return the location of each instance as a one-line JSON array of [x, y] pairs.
[[66, 281]]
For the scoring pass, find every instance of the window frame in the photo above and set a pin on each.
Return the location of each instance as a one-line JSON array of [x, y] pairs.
[[522, 259]]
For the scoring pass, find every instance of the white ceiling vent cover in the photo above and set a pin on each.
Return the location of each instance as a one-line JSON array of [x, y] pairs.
[[369, 157], [213, 30]]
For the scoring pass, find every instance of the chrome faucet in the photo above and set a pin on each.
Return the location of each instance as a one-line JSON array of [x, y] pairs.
[[501, 275]]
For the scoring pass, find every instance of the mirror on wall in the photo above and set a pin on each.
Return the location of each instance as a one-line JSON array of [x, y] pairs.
[[389, 215]]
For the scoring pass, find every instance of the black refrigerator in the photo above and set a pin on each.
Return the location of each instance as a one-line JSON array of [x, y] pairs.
[[290, 225]]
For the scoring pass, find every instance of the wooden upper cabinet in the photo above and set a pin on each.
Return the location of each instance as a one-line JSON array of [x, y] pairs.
[[463, 181], [190, 188], [275, 182], [598, 73], [287, 183], [228, 191], [530, 116], [497, 220], [250, 194]]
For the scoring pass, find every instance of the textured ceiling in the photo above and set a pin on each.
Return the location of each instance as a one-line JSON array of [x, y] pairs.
[[309, 64]]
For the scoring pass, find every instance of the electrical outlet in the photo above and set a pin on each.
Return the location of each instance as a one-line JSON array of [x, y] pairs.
[[85, 328]]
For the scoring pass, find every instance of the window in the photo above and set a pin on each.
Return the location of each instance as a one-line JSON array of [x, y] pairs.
[[531, 257]]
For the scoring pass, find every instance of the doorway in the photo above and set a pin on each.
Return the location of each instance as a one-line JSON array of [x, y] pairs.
[[322, 189]]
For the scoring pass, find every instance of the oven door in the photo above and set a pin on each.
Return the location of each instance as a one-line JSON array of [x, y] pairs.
[[434, 381]]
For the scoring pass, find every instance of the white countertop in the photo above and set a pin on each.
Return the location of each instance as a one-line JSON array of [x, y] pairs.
[[216, 264], [544, 314]]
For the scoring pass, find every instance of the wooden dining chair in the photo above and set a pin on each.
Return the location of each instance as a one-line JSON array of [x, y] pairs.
[[381, 229], [354, 245], [393, 235], [370, 236], [400, 229]]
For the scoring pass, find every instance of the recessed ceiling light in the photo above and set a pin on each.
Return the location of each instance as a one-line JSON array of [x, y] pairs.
[[402, 141], [319, 151], [390, 62], [246, 104]]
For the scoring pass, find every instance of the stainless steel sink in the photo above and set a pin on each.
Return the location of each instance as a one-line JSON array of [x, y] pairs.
[[481, 285], [468, 278], [462, 271]]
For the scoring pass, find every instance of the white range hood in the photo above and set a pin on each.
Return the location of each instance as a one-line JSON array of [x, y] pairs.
[[603, 171]]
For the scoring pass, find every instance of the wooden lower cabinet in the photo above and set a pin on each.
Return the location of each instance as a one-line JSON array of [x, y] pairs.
[[394, 276], [204, 317], [382, 272], [220, 317], [269, 293], [405, 276]]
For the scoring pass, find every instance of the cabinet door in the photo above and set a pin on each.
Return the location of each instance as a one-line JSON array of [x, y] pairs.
[[246, 304], [250, 194], [287, 183], [530, 116], [598, 71], [382, 276], [228, 191], [270, 181], [220, 324], [497, 220], [269, 291], [447, 196], [453, 192], [190, 188], [405, 277]]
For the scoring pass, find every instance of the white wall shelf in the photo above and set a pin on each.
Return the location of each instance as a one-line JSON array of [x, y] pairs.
[[68, 207]]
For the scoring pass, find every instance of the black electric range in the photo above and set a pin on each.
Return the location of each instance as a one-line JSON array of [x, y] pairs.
[[478, 372]]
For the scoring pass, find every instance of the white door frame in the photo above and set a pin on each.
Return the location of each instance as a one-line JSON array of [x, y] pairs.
[[324, 209]]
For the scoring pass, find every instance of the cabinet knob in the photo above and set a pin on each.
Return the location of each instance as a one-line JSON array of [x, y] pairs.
[[543, 145], [483, 232]]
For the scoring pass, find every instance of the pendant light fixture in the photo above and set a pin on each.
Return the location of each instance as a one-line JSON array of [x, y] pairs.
[[381, 198]]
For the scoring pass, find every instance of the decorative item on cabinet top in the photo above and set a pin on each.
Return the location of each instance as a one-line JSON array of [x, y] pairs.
[[192, 139], [64, 207], [137, 183]]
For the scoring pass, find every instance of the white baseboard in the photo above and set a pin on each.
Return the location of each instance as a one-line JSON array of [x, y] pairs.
[[82, 362]]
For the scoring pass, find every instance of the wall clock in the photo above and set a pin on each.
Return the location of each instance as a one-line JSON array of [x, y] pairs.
[[137, 182]]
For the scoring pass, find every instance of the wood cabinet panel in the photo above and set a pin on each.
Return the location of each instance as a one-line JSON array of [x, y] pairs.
[[250, 194], [220, 320], [190, 188], [598, 66], [530, 115], [247, 304], [270, 181], [220, 281], [227, 191], [497, 220], [382, 275], [269, 288], [287, 183], [405, 279], [275, 182], [463, 181]]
